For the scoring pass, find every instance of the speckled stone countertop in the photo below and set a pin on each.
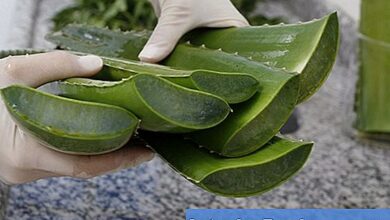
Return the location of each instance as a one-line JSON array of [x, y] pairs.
[[343, 172], [3, 199]]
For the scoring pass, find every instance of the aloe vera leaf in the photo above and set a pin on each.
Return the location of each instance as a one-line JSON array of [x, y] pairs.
[[232, 87], [160, 104], [18, 52], [373, 100], [244, 176], [307, 48], [67, 125], [251, 125], [100, 41]]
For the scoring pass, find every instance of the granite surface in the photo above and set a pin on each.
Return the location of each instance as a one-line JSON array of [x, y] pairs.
[[3, 199], [343, 172]]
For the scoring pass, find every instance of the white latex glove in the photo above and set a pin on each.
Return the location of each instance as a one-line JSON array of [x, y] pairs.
[[177, 17], [22, 158]]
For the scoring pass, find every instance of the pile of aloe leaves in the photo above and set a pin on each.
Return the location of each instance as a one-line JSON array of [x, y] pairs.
[[212, 110]]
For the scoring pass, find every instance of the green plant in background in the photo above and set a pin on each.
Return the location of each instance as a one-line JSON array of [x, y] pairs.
[[135, 14], [248, 9], [115, 14], [373, 91]]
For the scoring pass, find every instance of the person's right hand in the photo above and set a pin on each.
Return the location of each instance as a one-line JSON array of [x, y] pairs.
[[22, 157], [177, 17]]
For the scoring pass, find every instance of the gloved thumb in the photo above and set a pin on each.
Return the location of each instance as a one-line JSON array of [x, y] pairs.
[[38, 69], [172, 25]]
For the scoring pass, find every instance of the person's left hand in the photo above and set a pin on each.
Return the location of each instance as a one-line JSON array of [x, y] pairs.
[[22, 157]]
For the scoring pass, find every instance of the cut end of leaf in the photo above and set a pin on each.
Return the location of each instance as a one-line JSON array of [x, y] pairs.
[[245, 176], [194, 109], [56, 121], [232, 87], [257, 179]]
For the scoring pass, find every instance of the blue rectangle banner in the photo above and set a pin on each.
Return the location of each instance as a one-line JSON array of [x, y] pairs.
[[288, 214]]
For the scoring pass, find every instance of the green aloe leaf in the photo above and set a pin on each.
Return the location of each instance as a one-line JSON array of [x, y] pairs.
[[372, 103], [232, 87], [18, 52], [67, 125], [308, 48], [251, 125], [100, 41], [245, 176], [160, 104]]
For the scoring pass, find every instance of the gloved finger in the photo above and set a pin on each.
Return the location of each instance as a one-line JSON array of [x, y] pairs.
[[28, 160], [225, 22], [127, 157], [172, 25], [228, 17], [27, 154], [13, 176], [89, 166], [157, 7], [35, 70]]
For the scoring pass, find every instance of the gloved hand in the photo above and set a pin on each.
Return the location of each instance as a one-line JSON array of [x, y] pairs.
[[22, 158], [176, 17]]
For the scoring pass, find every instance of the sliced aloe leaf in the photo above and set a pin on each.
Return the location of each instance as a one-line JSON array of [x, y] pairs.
[[307, 48], [67, 125], [232, 87], [160, 104], [251, 125], [245, 176]]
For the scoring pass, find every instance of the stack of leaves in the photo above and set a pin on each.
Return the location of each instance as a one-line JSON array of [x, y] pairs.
[[373, 90], [212, 109]]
